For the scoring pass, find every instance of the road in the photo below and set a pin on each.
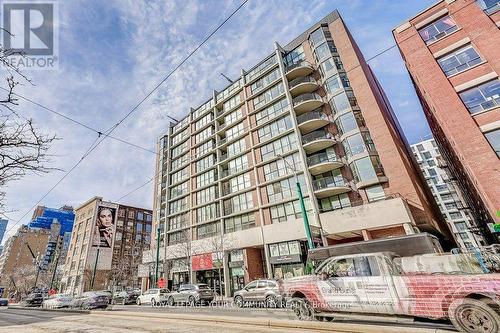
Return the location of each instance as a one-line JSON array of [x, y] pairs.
[[131, 319]]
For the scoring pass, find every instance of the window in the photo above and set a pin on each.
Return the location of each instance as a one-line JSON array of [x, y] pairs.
[[265, 81], [366, 168], [178, 176], [179, 137], [229, 91], [335, 202], [205, 134], [489, 6], [180, 124], [294, 57], [118, 236], [431, 163], [284, 249], [280, 146], [236, 147], [180, 149], [237, 184], [343, 102], [204, 148], [348, 122], [180, 161], [375, 193], [232, 102], [275, 128], [451, 206], [205, 178], [238, 164], [206, 195], [208, 230], [260, 68], [203, 121], [288, 211], [459, 60], [202, 109], [179, 190], [271, 111], [235, 131], [432, 172], [240, 222], [279, 168], [493, 138], [178, 205], [461, 226], [438, 29], [233, 117], [324, 50], [483, 97], [205, 163], [140, 216], [317, 36], [426, 155], [358, 143], [268, 96], [362, 266], [284, 189], [177, 237], [455, 215], [206, 213], [238, 203], [178, 221], [336, 82]]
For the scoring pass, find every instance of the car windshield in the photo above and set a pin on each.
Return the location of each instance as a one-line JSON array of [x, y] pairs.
[[203, 286], [164, 291]]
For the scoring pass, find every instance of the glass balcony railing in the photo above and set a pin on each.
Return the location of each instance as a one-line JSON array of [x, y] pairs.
[[316, 135], [313, 115], [298, 65], [306, 97], [329, 182], [322, 158], [300, 80]]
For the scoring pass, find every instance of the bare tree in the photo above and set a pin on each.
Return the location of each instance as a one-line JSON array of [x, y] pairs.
[[23, 148]]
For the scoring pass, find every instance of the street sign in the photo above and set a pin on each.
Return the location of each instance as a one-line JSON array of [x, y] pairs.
[[496, 227], [162, 283]]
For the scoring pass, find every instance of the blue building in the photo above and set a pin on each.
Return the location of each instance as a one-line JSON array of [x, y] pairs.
[[44, 217], [3, 227]]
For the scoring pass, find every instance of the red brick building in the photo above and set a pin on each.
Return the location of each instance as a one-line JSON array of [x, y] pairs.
[[452, 53]]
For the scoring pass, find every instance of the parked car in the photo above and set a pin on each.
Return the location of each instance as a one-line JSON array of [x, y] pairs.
[[126, 297], [191, 294], [33, 299], [259, 292], [90, 300], [107, 293], [57, 301], [4, 302], [153, 296]]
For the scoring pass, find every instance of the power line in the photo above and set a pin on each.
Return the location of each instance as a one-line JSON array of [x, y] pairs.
[[96, 143], [136, 189]]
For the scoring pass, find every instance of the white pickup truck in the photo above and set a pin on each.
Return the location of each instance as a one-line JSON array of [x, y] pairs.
[[375, 283]]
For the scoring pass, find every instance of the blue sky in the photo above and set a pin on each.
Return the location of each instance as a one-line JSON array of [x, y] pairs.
[[113, 52]]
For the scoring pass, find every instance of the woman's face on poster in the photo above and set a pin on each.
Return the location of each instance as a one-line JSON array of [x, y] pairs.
[[106, 218]]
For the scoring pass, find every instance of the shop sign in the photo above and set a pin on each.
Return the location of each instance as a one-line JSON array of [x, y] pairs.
[[291, 258], [202, 262], [143, 270], [233, 264]]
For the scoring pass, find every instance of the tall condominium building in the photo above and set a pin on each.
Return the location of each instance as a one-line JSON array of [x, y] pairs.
[[447, 195], [312, 112], [106, 246], [451, 52], [3, 227]]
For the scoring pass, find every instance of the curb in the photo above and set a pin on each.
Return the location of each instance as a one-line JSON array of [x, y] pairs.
[[49, 310], [279, 323]]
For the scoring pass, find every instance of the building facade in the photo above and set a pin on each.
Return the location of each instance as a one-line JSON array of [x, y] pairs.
[[452, 55], [447, 195], [3, 227], [106, 246], [311, 113]]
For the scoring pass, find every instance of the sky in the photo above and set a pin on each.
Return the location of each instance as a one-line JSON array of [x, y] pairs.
[[112, 53]]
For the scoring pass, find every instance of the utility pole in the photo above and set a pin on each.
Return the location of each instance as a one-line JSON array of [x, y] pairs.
[[54, 272], [307, 227], [157, 254], [37, 263]]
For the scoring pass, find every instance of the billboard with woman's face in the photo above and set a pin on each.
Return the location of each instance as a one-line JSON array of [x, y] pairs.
[[104, 231]]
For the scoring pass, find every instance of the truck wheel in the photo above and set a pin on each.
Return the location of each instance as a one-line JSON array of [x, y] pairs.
[[471, 316], [302, 309]]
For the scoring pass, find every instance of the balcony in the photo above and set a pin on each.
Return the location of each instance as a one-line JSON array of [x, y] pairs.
[[323, 162], [307, 102], [329, 186], [317, 140], [311, 121], [298, 69], [302, 85]]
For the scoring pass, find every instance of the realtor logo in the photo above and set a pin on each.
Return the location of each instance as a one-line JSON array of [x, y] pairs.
[[30, 33]]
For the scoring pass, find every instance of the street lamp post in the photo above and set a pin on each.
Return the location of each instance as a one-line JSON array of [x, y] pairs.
[[307, 227]]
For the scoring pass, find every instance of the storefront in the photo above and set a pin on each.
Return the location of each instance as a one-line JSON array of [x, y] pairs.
[[179, 273], [208, 269], [288, 259], [236, 270]]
